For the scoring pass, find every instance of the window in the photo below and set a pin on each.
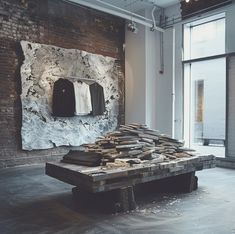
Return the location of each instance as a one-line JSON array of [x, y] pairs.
[[205, 85], [204, 39]]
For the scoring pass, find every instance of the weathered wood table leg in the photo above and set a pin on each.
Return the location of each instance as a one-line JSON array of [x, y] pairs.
[[125, 199], [187, 182], [120, 200], [192, 181]]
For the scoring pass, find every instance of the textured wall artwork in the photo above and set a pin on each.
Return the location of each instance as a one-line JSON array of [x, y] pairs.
[[43, 65]]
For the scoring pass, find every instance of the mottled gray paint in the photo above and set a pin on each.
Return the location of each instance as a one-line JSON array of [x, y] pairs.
[[43, 65]]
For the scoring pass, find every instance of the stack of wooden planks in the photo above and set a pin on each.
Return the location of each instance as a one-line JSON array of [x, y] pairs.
[[134, 144]]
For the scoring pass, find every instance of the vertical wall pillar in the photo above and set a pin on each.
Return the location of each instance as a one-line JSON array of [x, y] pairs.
[[149, 98], [135, 76]]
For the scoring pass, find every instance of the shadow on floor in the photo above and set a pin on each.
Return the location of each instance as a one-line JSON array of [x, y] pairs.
[[34, 203]]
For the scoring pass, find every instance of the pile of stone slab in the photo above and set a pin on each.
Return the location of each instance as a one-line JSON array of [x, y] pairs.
[[133, 144]]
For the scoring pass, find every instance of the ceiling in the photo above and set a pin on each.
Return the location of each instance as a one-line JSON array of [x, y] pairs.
[[129, 9], [136, 5], [141, 4]]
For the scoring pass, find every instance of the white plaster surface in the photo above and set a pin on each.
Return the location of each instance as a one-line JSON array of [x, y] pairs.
[[43, 65]]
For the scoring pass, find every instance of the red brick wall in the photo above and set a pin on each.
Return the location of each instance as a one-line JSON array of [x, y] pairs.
[[49, 22]]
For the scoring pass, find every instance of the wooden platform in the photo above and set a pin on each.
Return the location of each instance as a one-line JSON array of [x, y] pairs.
[[121, 180], [99, 179]]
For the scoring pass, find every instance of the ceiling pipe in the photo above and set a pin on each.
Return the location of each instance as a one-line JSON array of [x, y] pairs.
[[119, 14], [121, 9], [153, 17]]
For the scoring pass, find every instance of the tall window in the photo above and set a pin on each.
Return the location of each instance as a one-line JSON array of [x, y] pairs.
[[205, 85], [204, 38]]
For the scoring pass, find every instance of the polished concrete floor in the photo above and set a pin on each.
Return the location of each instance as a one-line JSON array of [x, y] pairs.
[[31, 202]]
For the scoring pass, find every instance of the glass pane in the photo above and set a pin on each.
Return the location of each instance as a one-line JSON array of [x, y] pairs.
[[203, 38], [208, 106], [208, 39]]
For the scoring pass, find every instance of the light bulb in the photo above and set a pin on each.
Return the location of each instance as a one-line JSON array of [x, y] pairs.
[[187, 0]]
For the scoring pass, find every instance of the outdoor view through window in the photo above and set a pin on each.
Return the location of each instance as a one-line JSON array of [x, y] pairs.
[[205, 85]]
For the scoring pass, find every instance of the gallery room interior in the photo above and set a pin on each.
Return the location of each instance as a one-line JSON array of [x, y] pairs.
[[117, 116]]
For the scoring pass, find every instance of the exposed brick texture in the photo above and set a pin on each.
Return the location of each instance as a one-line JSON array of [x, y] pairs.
[[53, 22]]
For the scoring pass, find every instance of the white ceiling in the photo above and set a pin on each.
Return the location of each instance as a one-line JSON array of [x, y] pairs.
[[128, 9], [136, 5], [166, 3], [141, 4]]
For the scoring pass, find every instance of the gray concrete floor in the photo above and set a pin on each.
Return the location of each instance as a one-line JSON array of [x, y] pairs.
[[31, 202]]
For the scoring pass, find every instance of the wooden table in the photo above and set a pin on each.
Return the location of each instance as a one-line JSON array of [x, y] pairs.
[[120, 181]]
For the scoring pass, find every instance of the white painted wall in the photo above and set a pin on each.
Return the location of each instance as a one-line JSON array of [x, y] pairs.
[[164, 87], [152, 68], [135, 73], [149, 93], [176, 75]]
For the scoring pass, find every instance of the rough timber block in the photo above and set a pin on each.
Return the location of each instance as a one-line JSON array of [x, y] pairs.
[[126, 199], [120, 200], [187, 182]]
